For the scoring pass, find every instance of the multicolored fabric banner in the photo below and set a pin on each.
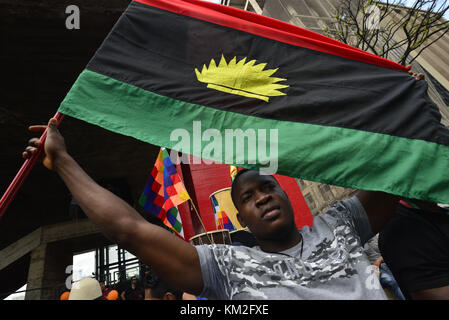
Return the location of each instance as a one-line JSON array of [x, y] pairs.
[[221, 218], [335, 114], [163, 192]]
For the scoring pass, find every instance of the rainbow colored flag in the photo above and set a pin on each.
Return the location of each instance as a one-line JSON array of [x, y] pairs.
[[163, 192], [221, 218]]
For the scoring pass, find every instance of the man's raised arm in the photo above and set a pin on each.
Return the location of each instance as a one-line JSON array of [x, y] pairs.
[[172, 258], [379, 207]]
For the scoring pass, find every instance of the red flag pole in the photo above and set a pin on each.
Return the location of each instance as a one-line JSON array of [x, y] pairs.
[[20, 177]]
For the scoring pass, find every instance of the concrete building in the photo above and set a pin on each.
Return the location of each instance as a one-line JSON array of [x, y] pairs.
[[255, 6], [320, 197]]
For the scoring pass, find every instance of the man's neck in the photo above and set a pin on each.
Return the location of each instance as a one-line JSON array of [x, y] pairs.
[[281, 245]]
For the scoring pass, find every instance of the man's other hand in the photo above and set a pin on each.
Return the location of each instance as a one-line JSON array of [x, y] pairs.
[[417, 76]]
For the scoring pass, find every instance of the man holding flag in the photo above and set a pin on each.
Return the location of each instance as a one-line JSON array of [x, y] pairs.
[[266, 210], [317, 111]]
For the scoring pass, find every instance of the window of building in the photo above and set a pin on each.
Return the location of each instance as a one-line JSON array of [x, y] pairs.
[[83, 265], [114, 264], [310, 201], [325, 191], [301, 183]]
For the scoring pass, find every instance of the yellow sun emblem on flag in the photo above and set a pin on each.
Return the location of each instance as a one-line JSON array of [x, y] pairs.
[[241, 78]]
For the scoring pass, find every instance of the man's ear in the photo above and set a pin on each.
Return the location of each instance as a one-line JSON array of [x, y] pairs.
[[240, 219]]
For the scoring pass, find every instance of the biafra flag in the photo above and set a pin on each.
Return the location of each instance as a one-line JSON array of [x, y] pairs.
[[318, 109]]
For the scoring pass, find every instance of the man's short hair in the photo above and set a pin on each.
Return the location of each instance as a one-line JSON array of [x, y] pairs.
[[234, 183]]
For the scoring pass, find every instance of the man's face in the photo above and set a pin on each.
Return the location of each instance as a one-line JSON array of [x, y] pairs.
[[263, 206]]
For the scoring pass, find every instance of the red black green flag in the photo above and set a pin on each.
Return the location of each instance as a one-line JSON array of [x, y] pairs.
[[326, 111]]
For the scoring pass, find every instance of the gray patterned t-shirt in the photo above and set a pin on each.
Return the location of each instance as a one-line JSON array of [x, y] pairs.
[[333, 263]]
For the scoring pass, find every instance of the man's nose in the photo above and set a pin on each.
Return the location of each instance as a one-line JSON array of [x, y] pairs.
[[262, 198]]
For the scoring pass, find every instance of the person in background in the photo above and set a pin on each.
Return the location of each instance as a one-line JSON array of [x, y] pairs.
[[386, 278], [415, 245], [104, 290], [134, 292], [86, 289]]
